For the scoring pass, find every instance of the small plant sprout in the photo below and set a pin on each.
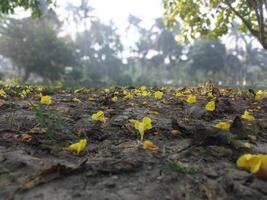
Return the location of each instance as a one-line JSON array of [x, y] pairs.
[[77, 147], [99, 116], [142, 126]]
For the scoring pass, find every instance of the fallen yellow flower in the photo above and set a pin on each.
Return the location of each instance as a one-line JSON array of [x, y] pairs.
[[247, 145], [210, 106], [254, 163], [46, 100], [247, 116], [77, 147], [142, 126], [145, 93], [76, 100], [210, 94], [191, 99], [223, 125], [158, 95], [114, 99], [143, 88], [2, 93], [260, 94], [179, 94], [99, 116], [150, 146]]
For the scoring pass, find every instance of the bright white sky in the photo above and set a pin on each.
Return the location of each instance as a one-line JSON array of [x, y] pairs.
[[119, 10]]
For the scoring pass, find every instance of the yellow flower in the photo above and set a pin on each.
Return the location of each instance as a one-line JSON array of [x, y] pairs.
[[39, 88], [76, 100], [158, 95], [99, 116], [247, 116], [3, 93], [150, 146], [77, 147], [210, 94], [191, 99], [78, 90], [128, 95], [114, 99], [46, 100], [247, 145], [251, 162], [223, 125], [210, 106], [25, 93], [106, 90], [145, 93], [179, 94], [260, 94], [143, 88], [142, 126]]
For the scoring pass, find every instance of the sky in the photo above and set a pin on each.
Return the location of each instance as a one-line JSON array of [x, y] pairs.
[[119, 10]]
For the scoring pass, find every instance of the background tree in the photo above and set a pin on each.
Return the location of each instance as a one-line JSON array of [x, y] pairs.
[[33, 46], [211, 18], [207, 59]]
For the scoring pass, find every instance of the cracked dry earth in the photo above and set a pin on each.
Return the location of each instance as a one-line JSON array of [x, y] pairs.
[[195, 160]]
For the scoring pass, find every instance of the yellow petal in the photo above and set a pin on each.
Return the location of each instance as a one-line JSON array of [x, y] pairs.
[[3, 93], [247, 145], [243, 161], [77, 147], [99, 116], [76, 100], [114, 99], [250, 162], [247, 116], [147, 123], [46, 100], [158, 95], [223, 125], [210, 106], [179, 94], [150, 146], [141, 129], [191, 99]]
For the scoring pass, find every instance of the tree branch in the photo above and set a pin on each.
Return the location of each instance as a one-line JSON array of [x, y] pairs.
[[248, 25], [261, 25]]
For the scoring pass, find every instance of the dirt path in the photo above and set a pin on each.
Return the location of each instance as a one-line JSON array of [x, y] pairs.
[[194, 160]]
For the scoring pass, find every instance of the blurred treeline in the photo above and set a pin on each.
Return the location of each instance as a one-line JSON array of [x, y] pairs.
[[38, 51]]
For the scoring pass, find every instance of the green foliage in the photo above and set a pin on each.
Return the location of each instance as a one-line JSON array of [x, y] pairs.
[[182, 168], [208, 55], [36, 6], [50, 120], [211, 18]]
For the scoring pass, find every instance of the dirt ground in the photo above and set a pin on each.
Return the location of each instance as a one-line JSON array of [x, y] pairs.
[[195, 160]]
